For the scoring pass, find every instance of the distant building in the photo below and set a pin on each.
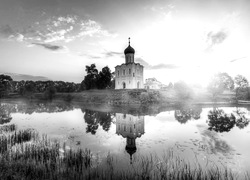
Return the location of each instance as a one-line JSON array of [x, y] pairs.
[[130, 127], [152, 83], [130, 74]]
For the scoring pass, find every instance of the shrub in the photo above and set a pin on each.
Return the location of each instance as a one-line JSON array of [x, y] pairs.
[[50, 93]]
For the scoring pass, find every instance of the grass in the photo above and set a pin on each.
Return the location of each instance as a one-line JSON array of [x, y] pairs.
[[26, 155]]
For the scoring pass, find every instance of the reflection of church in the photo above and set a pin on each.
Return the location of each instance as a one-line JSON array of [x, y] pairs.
[[130, 127], [130, 74]]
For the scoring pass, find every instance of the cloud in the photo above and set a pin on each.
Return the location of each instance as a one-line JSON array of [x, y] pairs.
[[164, 66], [215, 38], [233, 60], [113, 53], [6, 30], [56, 29], [155, 67], [49, 46], [102, 55]]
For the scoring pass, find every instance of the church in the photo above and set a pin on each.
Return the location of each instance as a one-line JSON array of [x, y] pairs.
[[130, 74]]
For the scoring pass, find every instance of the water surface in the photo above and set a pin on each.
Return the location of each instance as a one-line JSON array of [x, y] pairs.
[[201, 135]]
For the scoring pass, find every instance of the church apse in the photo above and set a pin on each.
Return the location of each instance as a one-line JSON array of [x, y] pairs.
[[130, 127]]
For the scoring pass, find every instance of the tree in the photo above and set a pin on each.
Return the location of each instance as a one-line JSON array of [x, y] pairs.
[[83, 86], [104, 78], [219, 83], [91, 78], [5, 84], [29, 88], [50, 93], [241, 83]]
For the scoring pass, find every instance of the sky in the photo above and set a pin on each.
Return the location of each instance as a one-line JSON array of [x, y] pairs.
[[174, 40]]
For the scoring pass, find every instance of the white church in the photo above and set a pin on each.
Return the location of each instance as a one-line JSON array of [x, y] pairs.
[[130, 74]]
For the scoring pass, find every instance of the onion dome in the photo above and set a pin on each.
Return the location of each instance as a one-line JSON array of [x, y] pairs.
[[130, 151], [129, 49]]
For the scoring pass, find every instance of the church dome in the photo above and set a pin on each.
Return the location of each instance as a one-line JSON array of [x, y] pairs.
[[129, 49]]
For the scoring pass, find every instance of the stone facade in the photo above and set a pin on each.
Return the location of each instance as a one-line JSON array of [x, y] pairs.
[[130, 74]]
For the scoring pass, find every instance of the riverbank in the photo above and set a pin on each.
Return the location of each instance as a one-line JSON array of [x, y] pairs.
[[133, 97]]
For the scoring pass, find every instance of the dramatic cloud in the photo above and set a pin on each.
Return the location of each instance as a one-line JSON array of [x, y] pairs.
[[54, 30], [49, 46], [214, 38], [155, 67]]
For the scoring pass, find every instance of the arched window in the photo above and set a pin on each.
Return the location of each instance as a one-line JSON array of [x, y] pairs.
[[133, 74], [118, 73], [123, 71], [129, 71]]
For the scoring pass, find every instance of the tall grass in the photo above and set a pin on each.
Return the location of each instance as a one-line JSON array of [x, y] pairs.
[[7, 128], [26, 155]]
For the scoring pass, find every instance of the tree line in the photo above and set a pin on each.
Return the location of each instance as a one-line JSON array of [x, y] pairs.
[[93, 80], [7, 85], [218, 84]]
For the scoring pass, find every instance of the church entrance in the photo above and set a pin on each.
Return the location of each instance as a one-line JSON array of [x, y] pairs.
[[138, 85], [124, 85]]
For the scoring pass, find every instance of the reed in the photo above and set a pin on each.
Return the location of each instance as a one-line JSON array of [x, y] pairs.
[[7, 128], [26, 155]]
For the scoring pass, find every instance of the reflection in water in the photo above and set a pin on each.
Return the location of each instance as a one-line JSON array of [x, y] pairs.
[[35, 107], [130, 127], [219, 121], [95, 118], [241, 120], [212, 142], [5, 111], [224, 146], [184, 114]]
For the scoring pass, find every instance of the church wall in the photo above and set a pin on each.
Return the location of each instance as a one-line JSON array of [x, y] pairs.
[[130, 74]]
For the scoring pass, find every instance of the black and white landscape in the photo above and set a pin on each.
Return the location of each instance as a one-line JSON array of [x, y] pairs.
[[124, 89]]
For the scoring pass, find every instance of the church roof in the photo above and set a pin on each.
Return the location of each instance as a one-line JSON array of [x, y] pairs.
[[129, 49]]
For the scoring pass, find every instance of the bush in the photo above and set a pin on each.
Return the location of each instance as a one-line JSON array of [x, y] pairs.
[[150, 97], [68, 98], [50, 93]]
